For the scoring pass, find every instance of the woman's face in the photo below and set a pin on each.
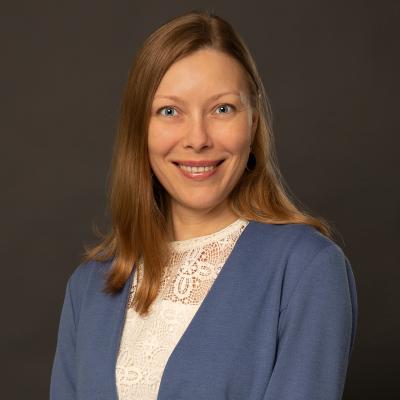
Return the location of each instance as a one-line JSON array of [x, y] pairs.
[[190, 124]]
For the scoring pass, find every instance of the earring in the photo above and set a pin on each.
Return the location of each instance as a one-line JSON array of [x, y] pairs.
[[251, 162]]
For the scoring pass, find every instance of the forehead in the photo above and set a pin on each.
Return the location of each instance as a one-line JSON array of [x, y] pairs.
[[203, 72]]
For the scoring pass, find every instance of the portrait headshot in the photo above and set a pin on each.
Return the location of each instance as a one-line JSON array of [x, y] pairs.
[[211, 283], [202, 219]]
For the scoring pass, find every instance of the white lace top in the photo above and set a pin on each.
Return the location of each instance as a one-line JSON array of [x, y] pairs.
[[147, 342]]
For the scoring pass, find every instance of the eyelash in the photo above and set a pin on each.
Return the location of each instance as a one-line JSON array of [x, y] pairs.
[[224, 104]]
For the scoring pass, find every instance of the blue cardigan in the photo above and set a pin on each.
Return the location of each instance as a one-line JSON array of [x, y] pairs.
[[277, 324]]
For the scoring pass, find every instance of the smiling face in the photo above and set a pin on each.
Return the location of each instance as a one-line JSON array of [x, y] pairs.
[[190, 123]]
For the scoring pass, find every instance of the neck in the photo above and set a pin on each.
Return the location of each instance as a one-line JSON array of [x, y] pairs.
[[188, 224]]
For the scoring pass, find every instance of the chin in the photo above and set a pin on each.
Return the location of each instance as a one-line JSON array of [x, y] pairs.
[[196, 203]]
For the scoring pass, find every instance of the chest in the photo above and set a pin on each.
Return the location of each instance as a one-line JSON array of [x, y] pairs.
[[226, 350]]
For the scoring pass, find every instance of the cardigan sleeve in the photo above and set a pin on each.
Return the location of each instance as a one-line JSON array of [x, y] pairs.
[[316, 331], [62, 384], [63, 380]]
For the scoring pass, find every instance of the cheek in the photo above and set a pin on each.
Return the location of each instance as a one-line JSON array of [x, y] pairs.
[[154, 149], [236, 136], [153, 136], [161, 140]]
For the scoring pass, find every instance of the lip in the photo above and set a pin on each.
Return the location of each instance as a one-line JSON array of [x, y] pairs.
[[200, 163], [200, 176]]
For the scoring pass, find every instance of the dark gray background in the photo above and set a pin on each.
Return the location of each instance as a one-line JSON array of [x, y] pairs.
[[331, 71]]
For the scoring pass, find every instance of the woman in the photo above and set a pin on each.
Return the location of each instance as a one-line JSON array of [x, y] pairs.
[[211, 284]]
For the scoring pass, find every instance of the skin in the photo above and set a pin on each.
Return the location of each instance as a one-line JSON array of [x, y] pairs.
[[197, 127]]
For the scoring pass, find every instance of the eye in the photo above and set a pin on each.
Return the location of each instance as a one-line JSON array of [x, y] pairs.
[[224, 106], [166, 108]]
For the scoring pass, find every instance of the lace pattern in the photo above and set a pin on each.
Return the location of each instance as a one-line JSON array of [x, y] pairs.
[[147, 342]]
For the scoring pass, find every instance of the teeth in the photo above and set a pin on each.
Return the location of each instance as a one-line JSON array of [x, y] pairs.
[[196, 170]]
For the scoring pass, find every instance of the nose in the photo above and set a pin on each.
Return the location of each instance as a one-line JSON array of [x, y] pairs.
[[197, 134]]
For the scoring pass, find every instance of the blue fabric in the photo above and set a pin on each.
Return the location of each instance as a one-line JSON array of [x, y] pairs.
[[278, 323]]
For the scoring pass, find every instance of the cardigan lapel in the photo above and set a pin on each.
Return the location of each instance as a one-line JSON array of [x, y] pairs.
[[196, 332]]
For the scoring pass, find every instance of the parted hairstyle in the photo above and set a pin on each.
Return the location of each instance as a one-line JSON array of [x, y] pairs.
[[139, 206]]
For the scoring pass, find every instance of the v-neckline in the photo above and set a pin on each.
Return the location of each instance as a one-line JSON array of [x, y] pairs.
[[125, 297]]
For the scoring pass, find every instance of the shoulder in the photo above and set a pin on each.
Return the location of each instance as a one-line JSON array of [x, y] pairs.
[[295, 250], [86, 276], [86, 271], [293, 241]]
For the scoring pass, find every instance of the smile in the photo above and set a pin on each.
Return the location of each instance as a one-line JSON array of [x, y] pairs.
[[198, 172]]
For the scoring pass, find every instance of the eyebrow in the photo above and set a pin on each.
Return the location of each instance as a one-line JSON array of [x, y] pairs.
[[214, 97]]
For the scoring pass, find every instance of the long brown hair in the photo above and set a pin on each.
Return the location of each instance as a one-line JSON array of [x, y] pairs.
[[139, 205]]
